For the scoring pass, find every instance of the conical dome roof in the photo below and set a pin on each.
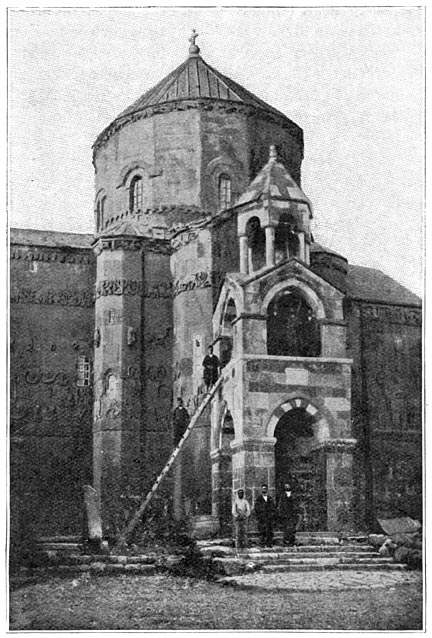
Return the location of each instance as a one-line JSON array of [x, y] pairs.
[[194, 79], [274, 182]]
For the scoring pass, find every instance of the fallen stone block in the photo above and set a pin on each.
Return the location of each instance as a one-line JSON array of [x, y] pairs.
[[98, 567], [230, 566], [377, 540], [216, 551]]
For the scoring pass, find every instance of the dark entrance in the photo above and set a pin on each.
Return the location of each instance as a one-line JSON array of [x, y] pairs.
[[300, 460]]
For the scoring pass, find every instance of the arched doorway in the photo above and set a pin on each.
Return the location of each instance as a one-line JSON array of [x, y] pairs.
[[301, 460]]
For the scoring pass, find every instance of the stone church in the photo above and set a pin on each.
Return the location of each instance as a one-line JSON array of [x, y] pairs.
[[203, 236]]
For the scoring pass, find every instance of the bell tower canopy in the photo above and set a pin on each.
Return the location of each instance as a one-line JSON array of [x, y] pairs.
[[273, 219], [274, 183]]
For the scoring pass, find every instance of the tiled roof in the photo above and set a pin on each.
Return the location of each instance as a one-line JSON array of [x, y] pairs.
[[32, 237], [318, 248], [370, 284], [275, 182], [195, 79]]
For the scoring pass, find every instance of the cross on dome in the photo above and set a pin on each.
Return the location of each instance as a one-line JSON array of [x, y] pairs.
[[194, 48]]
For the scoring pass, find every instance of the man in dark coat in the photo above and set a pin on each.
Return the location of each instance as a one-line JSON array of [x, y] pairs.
[[288, 514], [265, 511], [211, 366], [180, 421]]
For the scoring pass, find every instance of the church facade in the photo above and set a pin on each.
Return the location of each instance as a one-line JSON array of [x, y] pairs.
[[203, 237]]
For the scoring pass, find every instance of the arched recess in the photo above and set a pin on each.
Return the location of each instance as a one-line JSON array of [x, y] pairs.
[[135, 186], [100, 209], [287, 243], [229, 291], [301, 431], [294, 283], [323, 418], [292, 327], [224, 167], [256, 242], [138, 167]]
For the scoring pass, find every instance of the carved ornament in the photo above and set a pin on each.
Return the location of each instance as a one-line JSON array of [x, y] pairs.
[[203, 279], [52, 254], [82, 298], [132, 287], [135, 244], [393, 314]]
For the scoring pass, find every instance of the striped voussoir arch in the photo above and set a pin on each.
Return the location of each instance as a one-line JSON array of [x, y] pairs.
[[290, 405]]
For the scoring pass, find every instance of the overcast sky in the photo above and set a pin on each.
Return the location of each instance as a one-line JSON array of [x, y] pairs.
[[352, 78]]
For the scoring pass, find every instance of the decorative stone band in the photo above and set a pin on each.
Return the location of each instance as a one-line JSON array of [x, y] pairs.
[[33, 253], [252, 445], [249, 315], [82, 298], [201, 105], [203, 279], [132, 243], [132, 287], [339, 445], [118, 287], [183, 239], [392, 314]]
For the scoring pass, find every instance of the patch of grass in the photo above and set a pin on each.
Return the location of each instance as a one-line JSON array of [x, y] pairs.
[[164, 602]]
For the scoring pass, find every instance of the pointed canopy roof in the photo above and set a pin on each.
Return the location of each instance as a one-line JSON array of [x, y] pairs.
[[274, 182], [194, 79]]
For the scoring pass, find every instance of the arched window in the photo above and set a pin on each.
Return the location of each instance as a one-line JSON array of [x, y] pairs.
[[136, 194], [292, 329], [224, 191], [227, 340], [286, 240], [256, 242], [100, 212]]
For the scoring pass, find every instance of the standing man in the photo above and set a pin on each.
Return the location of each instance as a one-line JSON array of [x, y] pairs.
[[288, 515], [265, 511], [241, 511], [180, 421], [211, 366]]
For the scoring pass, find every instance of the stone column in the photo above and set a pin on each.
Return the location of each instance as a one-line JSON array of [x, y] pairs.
[[117, 375], [307, 252], [339, 484], [250, 262], [244, 254], [302, 249], [270, 249]]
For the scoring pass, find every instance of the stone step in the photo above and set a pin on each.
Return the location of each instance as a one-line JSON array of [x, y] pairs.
[[60, 546], [370, 566], [297, 549], [325, 560], [60, 539], [288, 556]]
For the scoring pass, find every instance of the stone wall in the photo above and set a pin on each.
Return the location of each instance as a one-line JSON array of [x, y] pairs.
[[385, 342], [51, 331], [165, 148]]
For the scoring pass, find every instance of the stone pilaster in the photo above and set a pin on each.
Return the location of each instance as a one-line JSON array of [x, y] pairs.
[[253, 464], [117, 374], [339, 484]]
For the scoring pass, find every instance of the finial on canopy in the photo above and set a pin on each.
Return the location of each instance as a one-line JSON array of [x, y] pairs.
[[273, 153]]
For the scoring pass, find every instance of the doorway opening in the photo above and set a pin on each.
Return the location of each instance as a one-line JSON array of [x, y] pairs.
[[301, 461]]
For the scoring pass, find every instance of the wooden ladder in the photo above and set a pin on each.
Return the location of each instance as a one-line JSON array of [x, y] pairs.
[[138, 514]]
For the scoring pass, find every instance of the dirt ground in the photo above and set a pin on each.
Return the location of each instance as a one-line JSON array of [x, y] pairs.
[[89, 602]]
